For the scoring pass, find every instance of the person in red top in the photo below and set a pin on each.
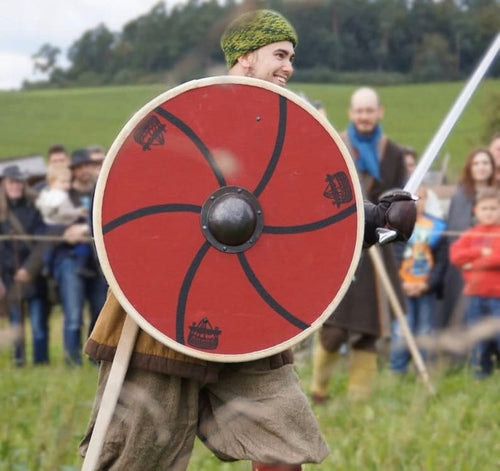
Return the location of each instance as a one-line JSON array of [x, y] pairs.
[[477, 253]]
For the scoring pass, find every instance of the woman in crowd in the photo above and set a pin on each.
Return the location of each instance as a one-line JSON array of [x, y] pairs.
[[21, 264], [478, 173]]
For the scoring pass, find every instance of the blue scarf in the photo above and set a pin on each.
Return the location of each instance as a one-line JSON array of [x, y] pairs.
[[368, 160]]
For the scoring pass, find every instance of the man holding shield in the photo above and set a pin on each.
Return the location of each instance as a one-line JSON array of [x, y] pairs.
[[252, 410]]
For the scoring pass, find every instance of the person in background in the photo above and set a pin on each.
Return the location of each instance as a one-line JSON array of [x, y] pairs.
[[359, 319], [433, 206], [21, 265], [58, 209], [494, 148], [423, 262], [56, 155], [75, 287], [410, 159], [97, 155], [477, 254], [478, 173]]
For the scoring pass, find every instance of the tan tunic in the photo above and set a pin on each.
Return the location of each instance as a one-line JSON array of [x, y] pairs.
[[150, 354]]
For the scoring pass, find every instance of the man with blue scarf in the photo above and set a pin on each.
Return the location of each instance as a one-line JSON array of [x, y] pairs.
[[359, 319], [378, 159]]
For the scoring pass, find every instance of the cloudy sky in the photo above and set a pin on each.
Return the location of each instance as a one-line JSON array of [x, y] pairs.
[[25, 25]]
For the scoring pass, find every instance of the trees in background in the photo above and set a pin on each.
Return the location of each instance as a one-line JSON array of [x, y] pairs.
[[419, 39], [45, 59]]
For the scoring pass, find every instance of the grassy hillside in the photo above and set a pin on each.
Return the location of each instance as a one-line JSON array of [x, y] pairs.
[[31, 121]]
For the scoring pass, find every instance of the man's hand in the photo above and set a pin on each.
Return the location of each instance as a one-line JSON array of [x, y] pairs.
[[22, 276], [414, 289], [395, 211], [76, 233]]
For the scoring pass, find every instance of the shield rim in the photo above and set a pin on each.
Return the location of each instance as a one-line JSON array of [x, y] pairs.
[[99, 237]]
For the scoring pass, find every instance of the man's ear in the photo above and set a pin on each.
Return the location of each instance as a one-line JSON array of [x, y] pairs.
[[246, 60]]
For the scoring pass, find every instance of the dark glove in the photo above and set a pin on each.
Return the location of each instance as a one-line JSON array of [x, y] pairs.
[[395, 211]]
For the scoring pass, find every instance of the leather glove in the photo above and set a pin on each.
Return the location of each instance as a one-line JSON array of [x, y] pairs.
[[396, 210]]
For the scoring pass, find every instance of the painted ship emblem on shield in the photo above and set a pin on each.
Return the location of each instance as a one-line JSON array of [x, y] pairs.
[[338, 188], [150, 132], [203, 335]]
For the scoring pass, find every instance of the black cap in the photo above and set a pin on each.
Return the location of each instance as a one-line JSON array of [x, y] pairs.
[[80, 157], [14, 172]]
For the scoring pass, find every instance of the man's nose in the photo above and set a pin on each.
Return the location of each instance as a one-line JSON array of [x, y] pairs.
[[288, 66]]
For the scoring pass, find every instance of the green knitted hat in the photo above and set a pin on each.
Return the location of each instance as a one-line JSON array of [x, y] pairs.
[[253, 30]]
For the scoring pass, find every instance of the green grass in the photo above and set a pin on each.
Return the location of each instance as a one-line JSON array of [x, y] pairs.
[[44, 412], [32, 120]]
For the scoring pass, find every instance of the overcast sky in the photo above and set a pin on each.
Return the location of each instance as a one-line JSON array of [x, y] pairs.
[[25, 25]]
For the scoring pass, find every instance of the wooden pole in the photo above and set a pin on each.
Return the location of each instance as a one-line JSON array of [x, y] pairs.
[[400, 315], [111, 392]]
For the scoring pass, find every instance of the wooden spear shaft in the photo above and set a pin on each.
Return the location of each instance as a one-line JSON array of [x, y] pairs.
[[381, 272], [111, 392]]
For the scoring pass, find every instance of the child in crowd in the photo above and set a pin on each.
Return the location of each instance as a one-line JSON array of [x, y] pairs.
[[424, 261], [477, 253], [57, 209]]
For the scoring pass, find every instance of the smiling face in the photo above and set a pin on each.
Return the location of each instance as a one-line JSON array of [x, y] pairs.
[[481, 168], [272, 63]]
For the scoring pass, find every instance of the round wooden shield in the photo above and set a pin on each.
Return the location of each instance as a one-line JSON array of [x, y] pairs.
[[228, 218]]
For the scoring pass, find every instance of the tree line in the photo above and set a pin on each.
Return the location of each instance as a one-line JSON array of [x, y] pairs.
[[339, 40]]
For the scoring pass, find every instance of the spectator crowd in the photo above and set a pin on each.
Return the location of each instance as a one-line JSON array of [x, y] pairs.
[[47, 255]]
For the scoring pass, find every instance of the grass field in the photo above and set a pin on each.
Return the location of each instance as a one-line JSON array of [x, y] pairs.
[[31, 121], [44, 411]]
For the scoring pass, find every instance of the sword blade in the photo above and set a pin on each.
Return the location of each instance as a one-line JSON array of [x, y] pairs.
[[456, 110], [431, 152]]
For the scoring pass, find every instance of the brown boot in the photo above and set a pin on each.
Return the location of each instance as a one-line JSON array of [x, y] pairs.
[[275, 467], [323, 364], [362, 371]]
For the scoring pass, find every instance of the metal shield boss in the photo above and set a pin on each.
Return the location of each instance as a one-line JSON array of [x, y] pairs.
[[228, 218]]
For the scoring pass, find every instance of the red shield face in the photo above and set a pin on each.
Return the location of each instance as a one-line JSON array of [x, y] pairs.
[[227, 218]]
